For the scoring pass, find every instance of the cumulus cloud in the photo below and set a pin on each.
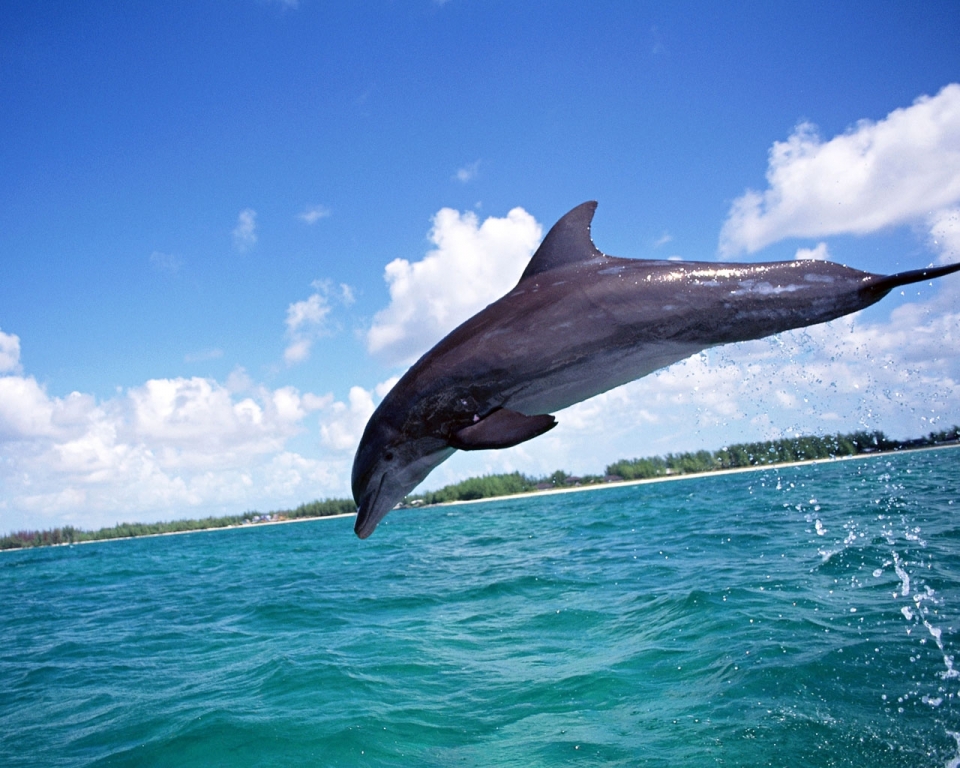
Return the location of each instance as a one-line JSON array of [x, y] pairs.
[[245, 233], [820, 252], [25, 409], [305, 323], [168, 448], [198, 420], [471, 265], [945, 234], [876, 175], [9, 353], [342, 425], [307, 320], [313, 213]]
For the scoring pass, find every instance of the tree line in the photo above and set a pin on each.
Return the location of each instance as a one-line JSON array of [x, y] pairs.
[[735, 456], [70, 535], [730, 457], [781, 451]]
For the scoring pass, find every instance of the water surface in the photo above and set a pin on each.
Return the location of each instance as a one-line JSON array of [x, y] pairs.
[[795, 616]]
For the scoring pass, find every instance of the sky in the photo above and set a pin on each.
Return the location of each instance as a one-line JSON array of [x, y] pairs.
[[227, 227]]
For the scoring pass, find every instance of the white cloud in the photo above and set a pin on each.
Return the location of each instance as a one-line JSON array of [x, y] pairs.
[[472, 265], [245, 233], [307, 320], [945, 234], [342, 424], [297, 351], [9, 353], [25, 409], [665, 238], [384, 387], [877, 175], [819, 253], [304, 323], [238, 381], [288, 474], [169, 448], [198, 423], [468, 172], [313, 213]]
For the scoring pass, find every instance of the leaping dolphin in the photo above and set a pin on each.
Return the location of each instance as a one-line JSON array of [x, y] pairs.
[[578, 323]]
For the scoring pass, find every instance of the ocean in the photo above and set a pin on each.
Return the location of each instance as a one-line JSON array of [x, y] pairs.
[[800, 616]]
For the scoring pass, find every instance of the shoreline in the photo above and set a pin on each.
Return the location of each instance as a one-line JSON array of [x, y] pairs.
[[181, 533], [202, 530], [688, 476], [526, 494]]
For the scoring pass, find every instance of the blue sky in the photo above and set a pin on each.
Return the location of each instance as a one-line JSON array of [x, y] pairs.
[[226, 227]]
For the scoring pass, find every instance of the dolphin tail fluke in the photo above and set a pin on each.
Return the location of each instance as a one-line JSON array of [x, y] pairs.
[[885, 283]]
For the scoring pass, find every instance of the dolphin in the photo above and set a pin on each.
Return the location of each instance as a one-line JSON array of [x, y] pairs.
[[578, 323]]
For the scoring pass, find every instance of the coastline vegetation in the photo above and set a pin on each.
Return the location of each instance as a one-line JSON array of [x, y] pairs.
[[70, 535], [764, 453], [769, 452]]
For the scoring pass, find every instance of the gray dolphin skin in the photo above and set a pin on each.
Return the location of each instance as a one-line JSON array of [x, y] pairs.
[[578, 323]]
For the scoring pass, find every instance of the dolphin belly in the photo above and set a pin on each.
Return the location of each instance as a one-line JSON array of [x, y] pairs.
[[599, 373]]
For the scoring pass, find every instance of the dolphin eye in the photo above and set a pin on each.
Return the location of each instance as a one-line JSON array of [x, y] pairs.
[[388, 456]]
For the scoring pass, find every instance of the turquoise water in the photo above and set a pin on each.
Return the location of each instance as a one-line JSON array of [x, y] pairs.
[[800, 616]]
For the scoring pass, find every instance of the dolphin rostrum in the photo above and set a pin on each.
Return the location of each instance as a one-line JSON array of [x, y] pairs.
[[578, 323]]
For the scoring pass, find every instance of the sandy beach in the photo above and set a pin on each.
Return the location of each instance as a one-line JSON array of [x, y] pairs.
[[692, 475]]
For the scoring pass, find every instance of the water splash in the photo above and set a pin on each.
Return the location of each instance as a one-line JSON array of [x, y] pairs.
[[902, 575], [954, 762]]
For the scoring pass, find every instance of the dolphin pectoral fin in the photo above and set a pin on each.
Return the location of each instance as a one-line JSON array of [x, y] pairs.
[[502, 429]]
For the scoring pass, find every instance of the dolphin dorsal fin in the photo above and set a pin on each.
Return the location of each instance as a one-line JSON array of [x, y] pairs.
[[567, 242]]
